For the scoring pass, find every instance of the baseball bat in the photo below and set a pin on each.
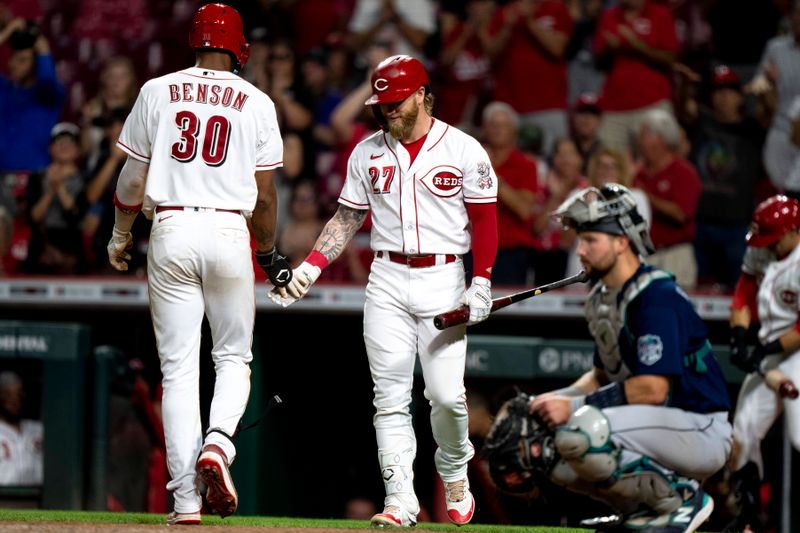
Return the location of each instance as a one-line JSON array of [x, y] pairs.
[[460, 315], [779, 382]]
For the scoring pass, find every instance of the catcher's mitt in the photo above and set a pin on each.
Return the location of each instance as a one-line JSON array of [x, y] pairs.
[[519, 447]]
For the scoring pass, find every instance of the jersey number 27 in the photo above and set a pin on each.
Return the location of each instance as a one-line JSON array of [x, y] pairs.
[[215, 138], [381, 179]]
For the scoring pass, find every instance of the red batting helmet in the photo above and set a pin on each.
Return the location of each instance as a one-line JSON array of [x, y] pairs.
[[772, 219], [395, 79], [219, 27]]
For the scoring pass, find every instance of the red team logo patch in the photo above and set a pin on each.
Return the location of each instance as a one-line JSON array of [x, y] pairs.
[[788, 297], [443, 181]]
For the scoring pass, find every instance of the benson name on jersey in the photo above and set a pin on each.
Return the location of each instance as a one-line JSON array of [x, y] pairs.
[[204, 93]]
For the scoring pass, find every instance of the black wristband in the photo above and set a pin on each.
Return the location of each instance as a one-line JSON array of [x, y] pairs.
[[610, 395], [772, 347], [738, 333], [266, 259]]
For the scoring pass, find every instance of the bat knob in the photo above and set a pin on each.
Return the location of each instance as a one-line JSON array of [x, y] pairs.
[[788, 390], [437, 322]]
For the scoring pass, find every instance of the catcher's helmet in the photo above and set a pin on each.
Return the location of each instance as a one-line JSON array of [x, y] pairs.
[[395, 79], [610, 209], [773, 217], [219, 27]]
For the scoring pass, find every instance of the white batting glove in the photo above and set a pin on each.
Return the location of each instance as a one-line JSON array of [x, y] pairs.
[[120, 242], [479, 299], [302, 278], [283, 301]]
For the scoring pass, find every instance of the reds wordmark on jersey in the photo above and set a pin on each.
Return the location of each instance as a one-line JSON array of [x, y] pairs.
[[419, 207], [219, 129]]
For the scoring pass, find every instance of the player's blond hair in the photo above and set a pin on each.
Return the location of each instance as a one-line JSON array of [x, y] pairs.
[[428, 103]]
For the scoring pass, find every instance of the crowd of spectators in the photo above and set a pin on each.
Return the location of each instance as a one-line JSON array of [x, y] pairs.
[[679, 99]]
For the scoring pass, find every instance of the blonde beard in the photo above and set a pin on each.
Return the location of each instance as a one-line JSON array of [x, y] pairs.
[[402, 130]]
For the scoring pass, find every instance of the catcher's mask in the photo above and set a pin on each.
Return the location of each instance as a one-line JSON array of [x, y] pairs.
[[519, 448], [610, 209]]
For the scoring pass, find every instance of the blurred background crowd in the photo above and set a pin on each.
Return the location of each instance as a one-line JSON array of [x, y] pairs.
[[692, 103]]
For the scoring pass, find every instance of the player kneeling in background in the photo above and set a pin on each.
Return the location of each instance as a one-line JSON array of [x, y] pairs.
[[644, 427], [770, 277], [432, 194], [202, 147]]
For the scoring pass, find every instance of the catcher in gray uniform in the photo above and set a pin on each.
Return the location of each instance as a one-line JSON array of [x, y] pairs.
[[649, 422]]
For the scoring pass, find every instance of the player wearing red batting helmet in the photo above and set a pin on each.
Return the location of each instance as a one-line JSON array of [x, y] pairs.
[[424, 183], [202, 124], [767, 292], [773, 218], [219, 27], [395, 79]]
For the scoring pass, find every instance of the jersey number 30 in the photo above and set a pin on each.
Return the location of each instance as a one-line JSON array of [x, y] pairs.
[[215, 138]]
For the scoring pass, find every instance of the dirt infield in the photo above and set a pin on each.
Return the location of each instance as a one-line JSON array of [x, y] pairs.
[[85, 527]]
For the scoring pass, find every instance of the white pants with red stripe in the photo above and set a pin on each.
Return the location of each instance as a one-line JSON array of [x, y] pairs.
[[758, 407], [398, 324], [200, 263]]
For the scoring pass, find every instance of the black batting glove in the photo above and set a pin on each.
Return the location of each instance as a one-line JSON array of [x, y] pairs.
[[760, 351], [276, 267], [739, 350]]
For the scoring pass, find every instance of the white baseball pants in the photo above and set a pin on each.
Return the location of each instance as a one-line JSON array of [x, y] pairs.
[[199, 263], [398, 324], [758, 407]]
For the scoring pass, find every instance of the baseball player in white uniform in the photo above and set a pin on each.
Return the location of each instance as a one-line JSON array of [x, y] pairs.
[[202, 147], [432, 193], [770, 277], [21, 440]]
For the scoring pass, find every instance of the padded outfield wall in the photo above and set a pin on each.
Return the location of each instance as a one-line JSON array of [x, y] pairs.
[[312, 356]]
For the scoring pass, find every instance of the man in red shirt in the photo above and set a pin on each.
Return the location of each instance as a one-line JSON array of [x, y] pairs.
[[673, 188], [517, 185], [527, 48], [637, 43]]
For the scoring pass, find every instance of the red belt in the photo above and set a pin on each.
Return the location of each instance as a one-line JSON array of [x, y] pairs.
[[182, 208], [417, 261]]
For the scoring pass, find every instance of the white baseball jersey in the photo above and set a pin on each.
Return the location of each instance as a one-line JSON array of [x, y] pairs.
[[21, 453], [418, 208], [756, 408], [202, 107], [778, 292]]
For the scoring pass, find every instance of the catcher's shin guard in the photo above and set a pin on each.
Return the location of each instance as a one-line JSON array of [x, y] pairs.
[[585, 445]]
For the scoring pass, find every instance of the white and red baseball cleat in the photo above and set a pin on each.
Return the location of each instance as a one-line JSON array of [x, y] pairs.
[[212, 467], [393, 516], [183, 519], [459, 501]]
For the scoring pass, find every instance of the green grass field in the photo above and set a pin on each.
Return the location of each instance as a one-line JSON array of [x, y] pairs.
[[36, 515]]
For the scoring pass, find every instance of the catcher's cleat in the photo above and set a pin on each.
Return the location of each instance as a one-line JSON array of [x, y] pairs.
[[212, 467], [696, 509], [459, 501], [392, 516], [183, 519]]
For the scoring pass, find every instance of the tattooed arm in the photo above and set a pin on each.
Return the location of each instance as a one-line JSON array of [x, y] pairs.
[[338, 231], [330, 245]]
